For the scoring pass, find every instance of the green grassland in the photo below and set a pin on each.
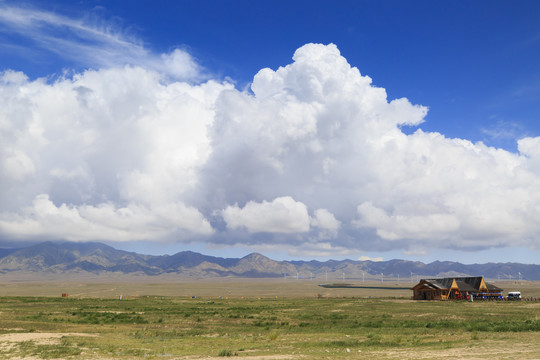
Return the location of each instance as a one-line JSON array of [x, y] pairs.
[[262, 325], [158, 327]]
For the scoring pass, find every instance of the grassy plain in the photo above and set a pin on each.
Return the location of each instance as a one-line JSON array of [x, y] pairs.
[[256, 319]]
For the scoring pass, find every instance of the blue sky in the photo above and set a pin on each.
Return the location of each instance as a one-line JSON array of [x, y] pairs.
[[471, 66]]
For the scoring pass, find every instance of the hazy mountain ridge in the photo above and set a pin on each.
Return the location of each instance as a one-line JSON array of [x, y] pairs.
[[99, 258]]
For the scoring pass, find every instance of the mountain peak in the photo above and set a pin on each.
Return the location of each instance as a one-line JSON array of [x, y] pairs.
[[255, 256]]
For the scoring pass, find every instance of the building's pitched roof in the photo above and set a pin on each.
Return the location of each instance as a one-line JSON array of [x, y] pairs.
[[473, 283], [466, 286], [492, 287], [444, 283]]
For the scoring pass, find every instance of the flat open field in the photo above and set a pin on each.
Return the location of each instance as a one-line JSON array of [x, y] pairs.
[[171, 285], [165, 286], [256, 319]]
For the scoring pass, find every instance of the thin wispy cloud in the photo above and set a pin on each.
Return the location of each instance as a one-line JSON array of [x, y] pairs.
[[504, 130], [90, 42]]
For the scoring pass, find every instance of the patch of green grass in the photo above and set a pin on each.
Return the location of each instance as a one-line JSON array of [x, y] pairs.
[[151, 327], [225, 352]]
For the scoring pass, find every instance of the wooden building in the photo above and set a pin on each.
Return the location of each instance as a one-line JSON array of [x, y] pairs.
[[456, 288]]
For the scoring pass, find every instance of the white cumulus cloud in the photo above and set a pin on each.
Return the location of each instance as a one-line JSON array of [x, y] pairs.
[[281, 215], [315, 155], [100, 143], [103, 222]]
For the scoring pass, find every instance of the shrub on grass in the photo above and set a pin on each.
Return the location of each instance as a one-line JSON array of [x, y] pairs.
[[225, 352]]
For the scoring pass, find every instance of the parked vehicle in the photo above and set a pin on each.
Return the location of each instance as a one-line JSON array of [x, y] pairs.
[[514, 295]]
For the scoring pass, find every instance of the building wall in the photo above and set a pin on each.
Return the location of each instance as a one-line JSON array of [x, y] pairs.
[[430, 294]]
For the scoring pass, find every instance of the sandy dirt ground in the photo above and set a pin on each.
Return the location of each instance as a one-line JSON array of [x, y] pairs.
[[38, 338], [8, 341]]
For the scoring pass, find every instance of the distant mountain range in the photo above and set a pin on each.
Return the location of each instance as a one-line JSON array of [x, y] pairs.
[[97, 258]]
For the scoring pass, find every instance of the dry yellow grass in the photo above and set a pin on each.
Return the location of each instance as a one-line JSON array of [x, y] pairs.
[[234, 288]]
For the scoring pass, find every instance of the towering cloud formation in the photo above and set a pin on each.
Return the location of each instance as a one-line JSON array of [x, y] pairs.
[[313, 155]]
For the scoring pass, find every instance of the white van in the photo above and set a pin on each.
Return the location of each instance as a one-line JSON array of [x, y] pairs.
[[514, 295]]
